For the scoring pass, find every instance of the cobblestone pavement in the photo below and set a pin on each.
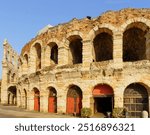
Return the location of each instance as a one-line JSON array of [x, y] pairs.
[[15, 112]]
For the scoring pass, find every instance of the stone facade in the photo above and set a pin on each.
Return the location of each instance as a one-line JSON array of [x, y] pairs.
[[91, 63]]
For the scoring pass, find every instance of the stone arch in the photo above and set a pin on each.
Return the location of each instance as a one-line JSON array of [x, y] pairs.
[[103, 45], [103, 93], [36, 93], [35, 56], [12, 95], [134, 41], [52, 100], [51, 54], [26, 62], [145, 21], [93, 32], [136, 99], [75, 49], [74, 100]]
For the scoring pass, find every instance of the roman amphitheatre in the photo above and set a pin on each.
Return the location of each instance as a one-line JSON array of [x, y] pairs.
[[99, 63]]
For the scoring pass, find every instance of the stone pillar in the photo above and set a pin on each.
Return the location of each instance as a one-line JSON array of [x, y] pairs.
[[118, 98], [87, 55], [43, 101], [11, 99], [46, 55], [42, 57], [30, 101], [148, 45], [61, 101], [32, 60], [4, 89], [118, 50], [62, 55]]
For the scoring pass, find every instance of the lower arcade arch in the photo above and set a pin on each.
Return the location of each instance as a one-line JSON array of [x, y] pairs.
[[36, 99], [103, 96], [12, 98], [52, 100], [74, 100], [135, 100]]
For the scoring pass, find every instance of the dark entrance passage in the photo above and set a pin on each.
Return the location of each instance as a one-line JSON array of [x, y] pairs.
[[136, 100], [12, 92], [103, 104], [103, 99]]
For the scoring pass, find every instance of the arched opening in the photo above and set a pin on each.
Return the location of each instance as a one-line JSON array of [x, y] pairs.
[[36, 99], [38, 55], [136, 100], [26, 59], [103, 46], [103, 99], [12, 92], [75, 48], [134, 42], [25, 63], [54, 54], [74, 100], [52, 100]]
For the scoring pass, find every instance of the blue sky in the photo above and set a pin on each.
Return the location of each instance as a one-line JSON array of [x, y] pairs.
[[21, 20]]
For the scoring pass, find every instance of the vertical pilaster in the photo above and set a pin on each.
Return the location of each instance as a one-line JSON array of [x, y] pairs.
[[118, 49], [87, 53], [62, 55]]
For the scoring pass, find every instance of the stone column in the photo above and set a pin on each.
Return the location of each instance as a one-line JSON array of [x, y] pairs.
[[42, 57], [62, 55], [118, 98], [30, 101], [87, 56], [118, 50], [43, 101], [32, 61], [61, 101]]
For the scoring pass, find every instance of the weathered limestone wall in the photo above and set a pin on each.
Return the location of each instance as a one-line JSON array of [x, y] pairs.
[[9, 71]]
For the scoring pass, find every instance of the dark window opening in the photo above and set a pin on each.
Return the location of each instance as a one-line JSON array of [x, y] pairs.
[[76, 51], [54, 54], [103, 47], [134, 45], [38, 56]]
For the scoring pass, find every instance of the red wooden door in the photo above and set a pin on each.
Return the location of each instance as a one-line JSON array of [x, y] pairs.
[[36, 104], [78, 105], [70, 105], [51, 104]]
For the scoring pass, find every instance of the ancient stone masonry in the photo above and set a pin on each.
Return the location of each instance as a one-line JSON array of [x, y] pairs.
[[101, 63], [9, 75]]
